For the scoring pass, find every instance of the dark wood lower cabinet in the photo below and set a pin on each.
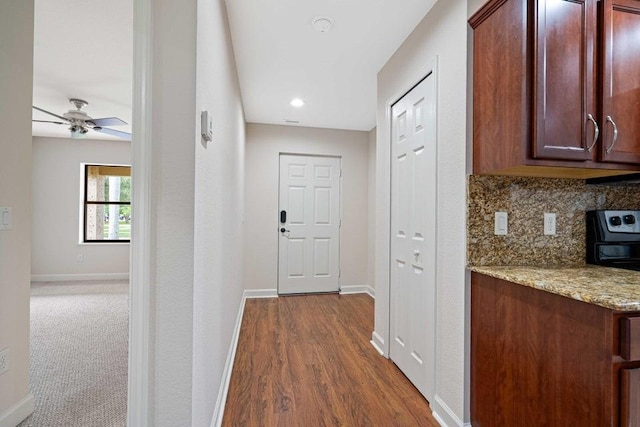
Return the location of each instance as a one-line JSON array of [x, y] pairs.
[[540, 359], [630, 397]]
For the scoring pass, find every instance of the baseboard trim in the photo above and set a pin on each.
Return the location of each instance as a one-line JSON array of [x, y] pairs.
[[260, 293], [78, 277], [444, 415], [362, 289], [218, 411], [371, 292], [18, 412], [377, 342]]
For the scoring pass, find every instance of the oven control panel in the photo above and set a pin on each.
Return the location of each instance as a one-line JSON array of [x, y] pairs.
[[623, 221]]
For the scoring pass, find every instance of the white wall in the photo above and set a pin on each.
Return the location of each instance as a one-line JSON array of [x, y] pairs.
[[442, 33], [16, 82], [196, 202], [57, 196], [172, 193], [264, 144], [219, 209], [371, 208]]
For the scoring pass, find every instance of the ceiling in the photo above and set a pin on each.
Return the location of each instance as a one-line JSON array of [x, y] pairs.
[[280, 56], [83, 49]]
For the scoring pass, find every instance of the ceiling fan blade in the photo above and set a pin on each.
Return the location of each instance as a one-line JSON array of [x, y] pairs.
[[50, 113], [48, 121], [108, 121], [113, 132]]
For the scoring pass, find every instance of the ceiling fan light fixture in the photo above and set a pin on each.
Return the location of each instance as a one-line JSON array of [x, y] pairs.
[[322, 24], [78, 131], [76, 134], [80, 123]]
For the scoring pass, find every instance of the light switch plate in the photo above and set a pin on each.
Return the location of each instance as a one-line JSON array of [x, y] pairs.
[[549, 224], [4, 360], [6, 221], [501, 224]]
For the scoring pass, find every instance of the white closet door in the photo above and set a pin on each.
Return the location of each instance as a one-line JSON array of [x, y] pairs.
[[413, 231]]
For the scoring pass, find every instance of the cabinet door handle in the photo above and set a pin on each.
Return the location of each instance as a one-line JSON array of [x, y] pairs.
[[596, 132], [615, 134]]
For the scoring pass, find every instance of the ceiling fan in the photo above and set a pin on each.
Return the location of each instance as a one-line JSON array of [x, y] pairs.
[[80, 123]]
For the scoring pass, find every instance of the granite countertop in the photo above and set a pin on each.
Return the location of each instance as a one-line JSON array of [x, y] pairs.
[[612, 288]]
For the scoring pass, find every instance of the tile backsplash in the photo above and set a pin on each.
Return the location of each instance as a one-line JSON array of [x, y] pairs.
[[526, 200]]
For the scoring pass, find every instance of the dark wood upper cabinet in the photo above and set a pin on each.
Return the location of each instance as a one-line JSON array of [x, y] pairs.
[[539, 106], [565, 114], [621, 81]]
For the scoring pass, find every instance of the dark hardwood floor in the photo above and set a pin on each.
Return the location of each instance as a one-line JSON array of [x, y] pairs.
[[307, 361]]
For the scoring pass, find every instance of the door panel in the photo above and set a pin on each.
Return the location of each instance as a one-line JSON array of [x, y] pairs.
[[309, 253], [413, 220], [621, 81], [565, 76], [296, 262], [322, 206], [295, 213], [323, 172], [630, 397], [297, 171], [322, 257]]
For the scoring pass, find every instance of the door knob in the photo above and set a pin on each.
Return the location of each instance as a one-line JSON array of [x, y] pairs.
[[416, 253], [282, 230]]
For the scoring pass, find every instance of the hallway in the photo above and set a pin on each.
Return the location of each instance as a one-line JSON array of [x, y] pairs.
[[307, 360]]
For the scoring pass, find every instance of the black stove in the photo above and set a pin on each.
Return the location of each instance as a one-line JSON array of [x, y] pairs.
[[613, 238]]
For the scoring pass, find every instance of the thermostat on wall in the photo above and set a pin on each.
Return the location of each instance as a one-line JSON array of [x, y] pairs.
[[5, 218], [206, 126]]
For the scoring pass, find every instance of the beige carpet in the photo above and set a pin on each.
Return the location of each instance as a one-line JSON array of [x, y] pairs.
[[79, 340]]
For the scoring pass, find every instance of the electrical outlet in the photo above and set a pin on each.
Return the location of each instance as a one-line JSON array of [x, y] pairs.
[[549, 224], [80, 258], [4, 361], [501, 224]]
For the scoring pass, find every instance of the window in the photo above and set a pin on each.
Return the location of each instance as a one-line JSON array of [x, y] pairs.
[[107, 203]]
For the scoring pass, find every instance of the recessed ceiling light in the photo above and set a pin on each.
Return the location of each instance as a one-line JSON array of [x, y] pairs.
[[322, 24], [297, 102]]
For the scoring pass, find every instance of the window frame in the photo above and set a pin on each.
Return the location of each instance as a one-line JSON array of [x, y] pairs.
[[86, 203]]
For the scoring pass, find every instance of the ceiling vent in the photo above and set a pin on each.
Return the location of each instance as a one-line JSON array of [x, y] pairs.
[[322, 24]]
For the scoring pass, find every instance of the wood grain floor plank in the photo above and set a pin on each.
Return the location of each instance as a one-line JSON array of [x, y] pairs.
[[307, 361]]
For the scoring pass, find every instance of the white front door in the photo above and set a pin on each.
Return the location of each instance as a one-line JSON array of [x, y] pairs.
[[413, 231], [309, 224]]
